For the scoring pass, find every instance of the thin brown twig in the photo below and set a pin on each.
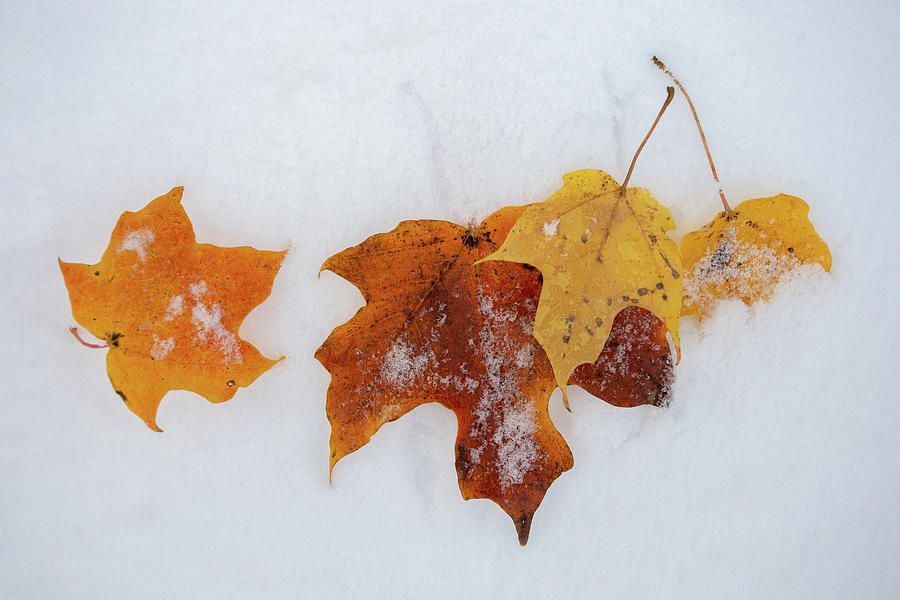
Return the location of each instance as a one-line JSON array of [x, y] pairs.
[[670, 93], [74, 331], [712, 166]]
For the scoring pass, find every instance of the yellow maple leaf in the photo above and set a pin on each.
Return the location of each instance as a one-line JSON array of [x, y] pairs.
[[601, 248], [744, 253]]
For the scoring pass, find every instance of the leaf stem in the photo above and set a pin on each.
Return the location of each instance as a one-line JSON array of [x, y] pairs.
[[74, 331], [712, 166], [670, 93]]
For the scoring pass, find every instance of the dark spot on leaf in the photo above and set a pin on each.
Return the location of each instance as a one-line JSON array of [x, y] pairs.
[[609, 301], [599, 322], [114, 338], [659, 286], [584, 238], [96, 272], [589, 330], [462, 461], [599, 259], [230, 383], [652, 238], [570, 319], [642, 291], [470, 240], [664, 297], [791, 250], [566, 338]]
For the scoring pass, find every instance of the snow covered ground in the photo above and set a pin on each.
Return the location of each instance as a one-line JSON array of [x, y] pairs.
[[774, 473]]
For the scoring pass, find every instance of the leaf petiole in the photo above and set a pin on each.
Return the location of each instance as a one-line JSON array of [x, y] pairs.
[[74, 332], [670, 93], [712, 166]]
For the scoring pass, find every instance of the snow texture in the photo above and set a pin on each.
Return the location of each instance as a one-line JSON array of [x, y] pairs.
[[137, 241], [161, 347], [747, 269], [775, 471]]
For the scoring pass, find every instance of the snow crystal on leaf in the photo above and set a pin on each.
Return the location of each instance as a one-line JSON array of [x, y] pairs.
[[208, 326], [402, 364], [175, 307], [198, 289], [502, 400], [517, 451], [161, 347], [137, 241], [551, 227], [745, 270]]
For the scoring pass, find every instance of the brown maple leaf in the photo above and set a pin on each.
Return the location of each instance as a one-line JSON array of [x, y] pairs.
[[437, 327], [635, 366], [170, 309]]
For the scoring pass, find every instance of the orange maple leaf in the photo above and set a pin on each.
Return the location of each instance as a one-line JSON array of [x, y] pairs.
[[437, 327], [170, 308]]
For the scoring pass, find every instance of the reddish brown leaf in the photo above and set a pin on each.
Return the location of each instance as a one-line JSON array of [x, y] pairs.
[[438, 328], [636, 364]]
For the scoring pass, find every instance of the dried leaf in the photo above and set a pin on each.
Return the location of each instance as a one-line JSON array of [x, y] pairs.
[[636, 365], [170, 308], [600, 249], [744, 254], [438, 328]]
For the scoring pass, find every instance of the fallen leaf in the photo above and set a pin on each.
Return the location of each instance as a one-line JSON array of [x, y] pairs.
[[438, 328], [743, 254], [635, 366], [170, 308], [601, 249]]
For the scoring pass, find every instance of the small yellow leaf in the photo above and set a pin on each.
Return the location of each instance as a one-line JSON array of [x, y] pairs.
[[744, 254], [600, 250]]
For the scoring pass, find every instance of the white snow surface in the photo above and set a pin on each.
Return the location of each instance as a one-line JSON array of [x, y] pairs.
[[775, 472]]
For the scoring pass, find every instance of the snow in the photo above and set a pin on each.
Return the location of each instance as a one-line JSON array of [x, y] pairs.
[[550, 228], [207, 322], [403, 364], [137, 241], [774, 473], [174, 308], [760, 269], [161, 347]]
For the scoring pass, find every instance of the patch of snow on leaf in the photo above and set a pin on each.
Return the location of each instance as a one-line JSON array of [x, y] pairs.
[[198, 289], [744, 270], [403, 364], [175, 307], [207, 321], [137, 241], [502, 405], [551, 227], [161, 347], [517, 450], [525, 357]]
